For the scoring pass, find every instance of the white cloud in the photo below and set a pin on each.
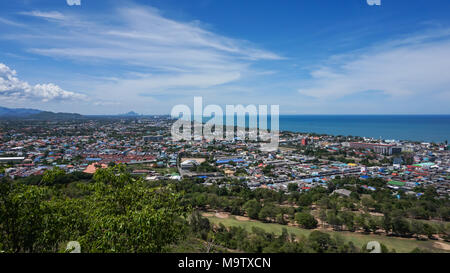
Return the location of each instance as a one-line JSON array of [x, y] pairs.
[[46, 15], [133, 54], [73, 2], [11, 23], [144, 83], [13, 88], [168, 53], [417, 66]]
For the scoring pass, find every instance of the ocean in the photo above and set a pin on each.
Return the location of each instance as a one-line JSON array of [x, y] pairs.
[[428, 128], [423, 128]]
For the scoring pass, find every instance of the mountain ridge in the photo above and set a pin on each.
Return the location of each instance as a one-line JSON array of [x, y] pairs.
[[17, 112], [42, 114], [34, 114]]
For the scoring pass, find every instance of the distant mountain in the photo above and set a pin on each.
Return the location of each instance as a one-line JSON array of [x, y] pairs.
[[130, 114], [22, 113], [51, 115], [35, 114], [17, 112]]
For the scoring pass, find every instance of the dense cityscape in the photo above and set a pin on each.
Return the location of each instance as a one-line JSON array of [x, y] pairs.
[[308, 160], [352, 171]]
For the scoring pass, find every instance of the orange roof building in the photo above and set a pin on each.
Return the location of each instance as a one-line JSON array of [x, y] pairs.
[[93, 167]]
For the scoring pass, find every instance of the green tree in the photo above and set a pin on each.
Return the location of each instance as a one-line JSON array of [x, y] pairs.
[[129, 216], [373, 224], [334, 220], [306, 220], [401, 226], [417, 227], [29, 222], [53, 176], [252, 207], [321, 242], [280, 219], [429, 230], [267, 212], [348, 219], [199, 224], [292, 187], [116, 214]]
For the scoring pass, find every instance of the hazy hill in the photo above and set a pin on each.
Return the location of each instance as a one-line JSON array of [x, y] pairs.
[[17, 112], [35, 114]]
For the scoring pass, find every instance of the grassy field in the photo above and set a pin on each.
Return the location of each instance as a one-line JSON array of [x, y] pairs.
[[399, 244]]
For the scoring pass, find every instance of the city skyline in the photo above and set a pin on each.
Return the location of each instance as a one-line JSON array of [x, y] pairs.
[[111, 57]]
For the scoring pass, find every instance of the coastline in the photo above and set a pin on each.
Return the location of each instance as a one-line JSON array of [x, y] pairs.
[[412, 128]]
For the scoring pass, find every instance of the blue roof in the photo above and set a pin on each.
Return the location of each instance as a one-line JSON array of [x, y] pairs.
[[93, 159], [236, 160]]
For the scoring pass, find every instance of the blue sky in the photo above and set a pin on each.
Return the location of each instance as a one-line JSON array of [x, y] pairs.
[[308, 56]]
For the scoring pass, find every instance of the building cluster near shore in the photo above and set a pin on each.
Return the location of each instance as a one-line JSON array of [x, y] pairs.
[[145, 144]]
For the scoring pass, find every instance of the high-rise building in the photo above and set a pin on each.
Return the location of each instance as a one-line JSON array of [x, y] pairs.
[[304, 141]]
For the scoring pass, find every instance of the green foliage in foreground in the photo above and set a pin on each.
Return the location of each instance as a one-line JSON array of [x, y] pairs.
[[259, 241], [305, 220], [118, 214], [113, 211], [358, 239]]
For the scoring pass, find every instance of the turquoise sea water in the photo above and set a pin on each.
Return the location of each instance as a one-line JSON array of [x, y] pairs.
[[430, 128]]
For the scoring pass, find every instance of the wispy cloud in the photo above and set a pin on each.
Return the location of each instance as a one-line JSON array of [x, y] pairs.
[[147, 52], [10, 22], [12, 87], [135, 57], [43, 14], [418, 65], [143, 37]]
